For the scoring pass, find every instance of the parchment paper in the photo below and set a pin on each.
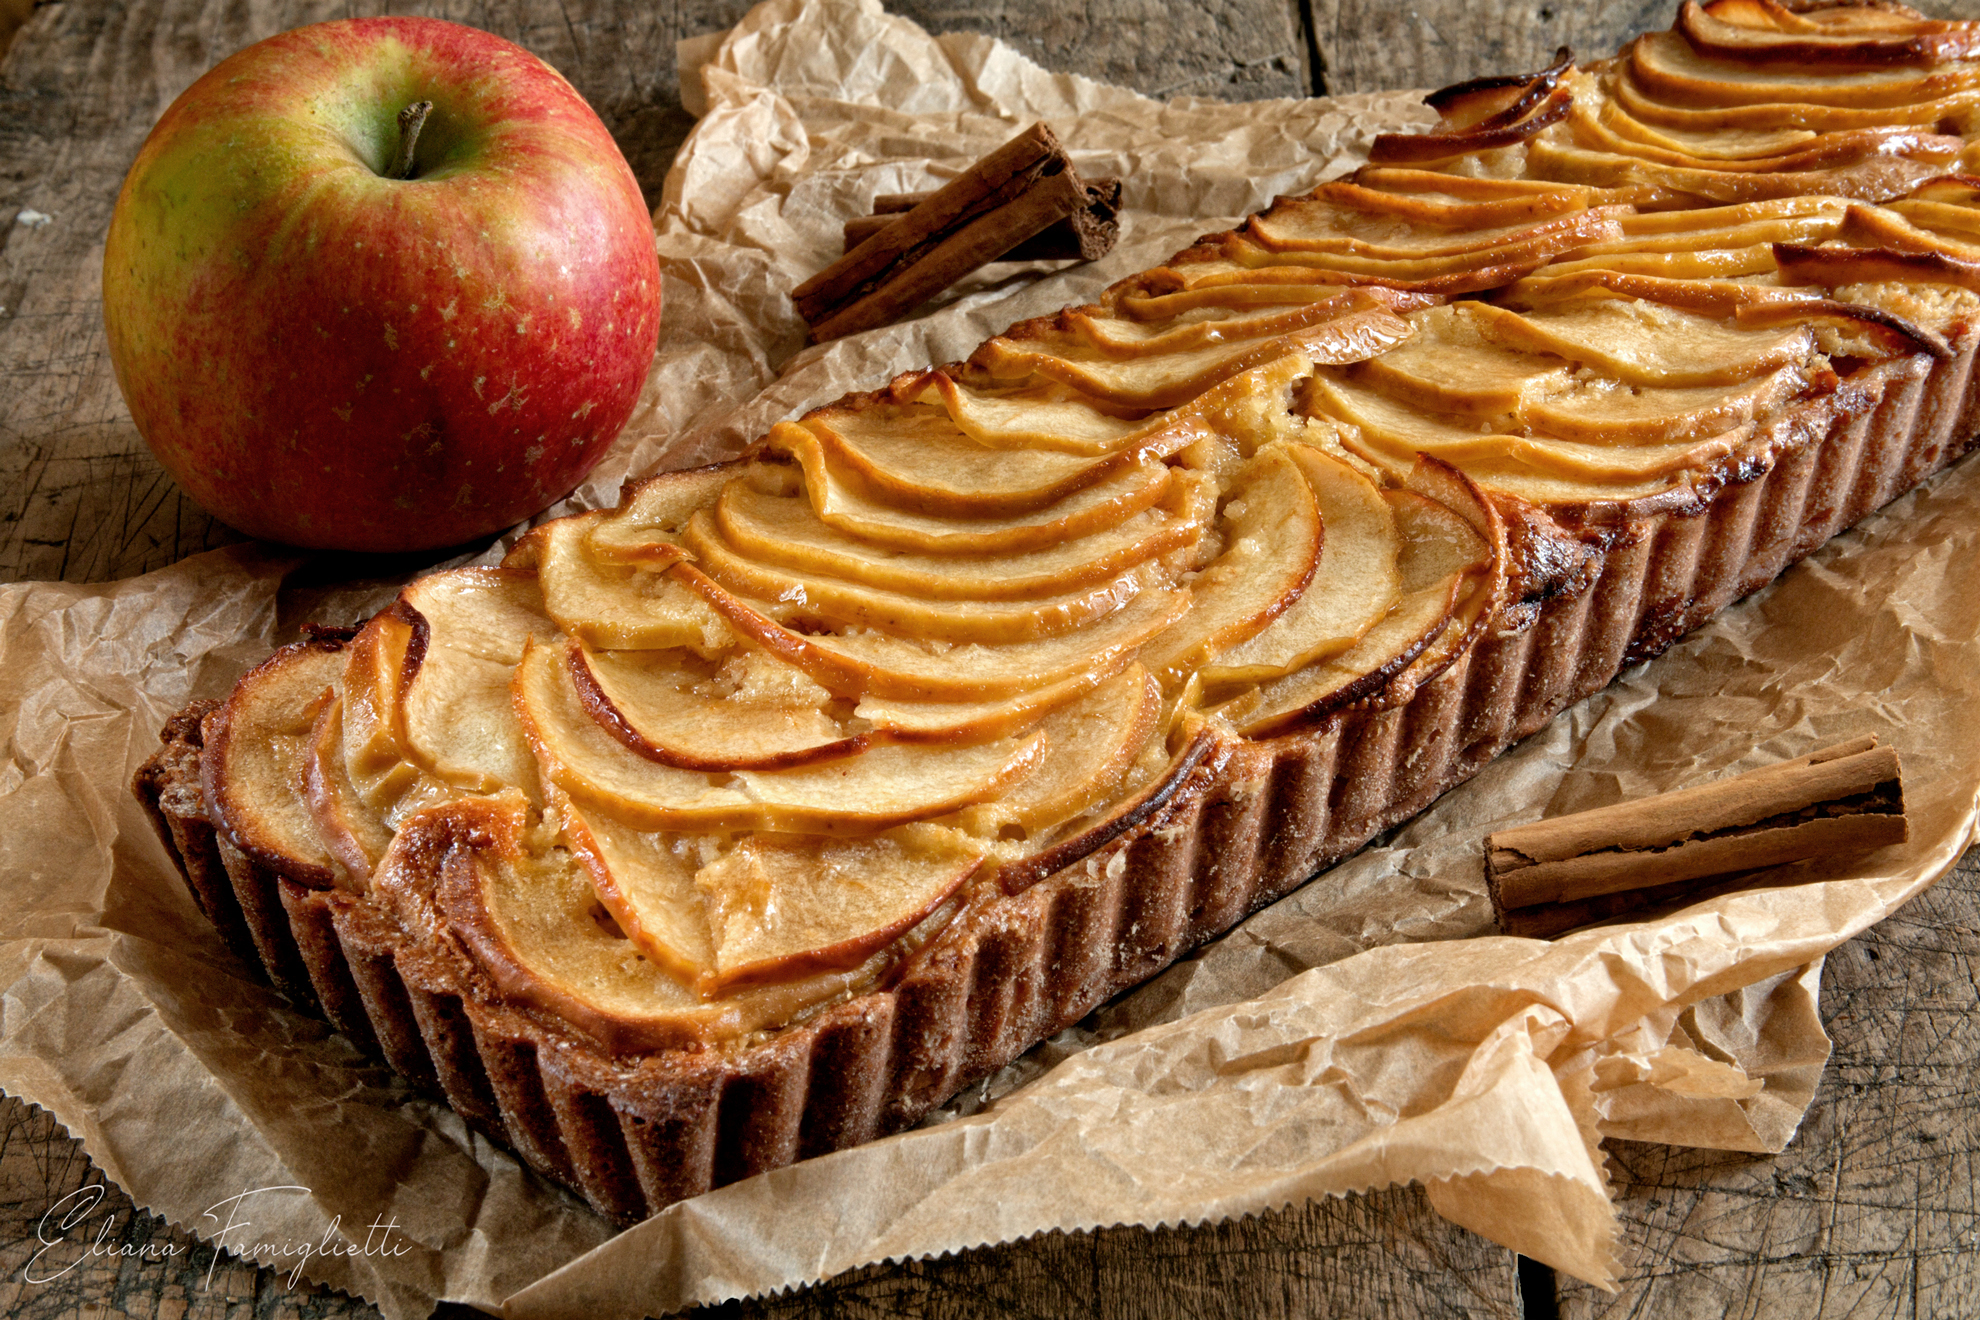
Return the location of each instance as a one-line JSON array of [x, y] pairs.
[[1365, 1031]]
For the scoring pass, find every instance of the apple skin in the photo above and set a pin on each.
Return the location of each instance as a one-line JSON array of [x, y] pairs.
[[328, 357]]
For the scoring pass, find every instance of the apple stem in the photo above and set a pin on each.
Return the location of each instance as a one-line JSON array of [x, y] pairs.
[[411, 120]]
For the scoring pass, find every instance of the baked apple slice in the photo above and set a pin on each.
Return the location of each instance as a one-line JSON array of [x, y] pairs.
[[898, 720], [460, 724], [1644, 343], [672, 714], [916, 457], [625, 602], [883, 786], [531, 920], [1442, 555], [355, 835], [1117, 495], [910, 669], [652, 513], [1090, 745], [1272, 546], [257, 749], [784, 530], [1355, 586], [822, 601], [781, 907], [1355, 326]]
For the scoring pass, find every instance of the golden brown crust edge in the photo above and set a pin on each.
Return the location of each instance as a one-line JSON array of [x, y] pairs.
[[1250, 823]]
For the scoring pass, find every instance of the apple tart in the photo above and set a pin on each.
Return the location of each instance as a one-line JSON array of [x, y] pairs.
[[757, 815]]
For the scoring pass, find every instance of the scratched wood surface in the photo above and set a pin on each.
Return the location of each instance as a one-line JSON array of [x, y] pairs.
[[1871, 1211]]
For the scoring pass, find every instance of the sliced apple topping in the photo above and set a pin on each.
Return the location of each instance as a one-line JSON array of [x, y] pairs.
[[786, 531], [1762, 32], [459, 722], [352, 832], [1354, 587], [1441, 556], [882, 786], [816, 600], [626, 603], [1355, 326], [705, 717], [916, 457], [1272, 546], [781, 907], [646, 526], [1090, 745], [860, 664], [257, 748], [1120, 493]]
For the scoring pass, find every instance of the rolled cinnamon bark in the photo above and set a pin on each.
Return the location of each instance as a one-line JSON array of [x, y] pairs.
[[1001, 200], [1846, 798], [1086, 235]]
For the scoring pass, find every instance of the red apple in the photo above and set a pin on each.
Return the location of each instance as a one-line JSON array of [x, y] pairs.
[[324, 354]]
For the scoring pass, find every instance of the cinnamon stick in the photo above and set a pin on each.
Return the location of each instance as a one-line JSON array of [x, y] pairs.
[[1086, 235], [1001, 200], [1845, 798]]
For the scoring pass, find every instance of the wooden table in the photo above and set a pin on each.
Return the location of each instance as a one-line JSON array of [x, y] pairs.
[[1871, 1212]]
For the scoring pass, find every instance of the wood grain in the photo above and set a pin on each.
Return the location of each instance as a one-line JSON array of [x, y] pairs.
[[1871, 1212]]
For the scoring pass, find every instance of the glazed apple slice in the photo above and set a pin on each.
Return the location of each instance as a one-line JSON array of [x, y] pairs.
[[652, 513], [257, 747], [1355, 586], [677, 716], [1272, 545], [1044, 417], [908, 669], [1440, 551], [354, 834], [1608, 414], [1359, 327], [1416, 203], [379, 665], [1118, 495], [460, 724], [786, 531], [1401, 432], [883, 786], [1755, 32], [781, 907], [1039, 416], [1645, 343], [625, 604], [830, 602], [1090, 745], [1316, 225], [645, 880], [1664, 65], [1447, 370], [915, 457], [533, 923], [971, 721]]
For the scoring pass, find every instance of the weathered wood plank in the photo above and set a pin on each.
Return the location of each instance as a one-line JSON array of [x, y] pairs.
[[1871, 1212]]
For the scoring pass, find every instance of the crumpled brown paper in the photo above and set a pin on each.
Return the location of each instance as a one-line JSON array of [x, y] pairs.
[[1349, 1037]]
